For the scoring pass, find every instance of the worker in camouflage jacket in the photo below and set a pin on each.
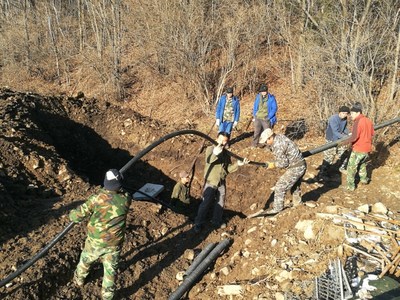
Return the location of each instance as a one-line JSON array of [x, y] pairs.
[[218, 165], [180, 197], [107, 211], [287, 156]]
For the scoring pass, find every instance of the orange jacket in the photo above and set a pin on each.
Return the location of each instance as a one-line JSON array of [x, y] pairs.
[[361, 135]]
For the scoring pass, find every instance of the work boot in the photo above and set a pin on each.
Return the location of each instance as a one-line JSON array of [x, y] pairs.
[[364, 182], [218, 225], [78, 282], [348, 188], [197, 228], [273, 211], [296, 199]]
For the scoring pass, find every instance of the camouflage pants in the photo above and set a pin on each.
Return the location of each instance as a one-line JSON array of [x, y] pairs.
[[329, 155], [290, 180], [357, 160], [109, 256]]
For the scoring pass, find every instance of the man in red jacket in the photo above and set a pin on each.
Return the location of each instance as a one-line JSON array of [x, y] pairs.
[[361, 141]]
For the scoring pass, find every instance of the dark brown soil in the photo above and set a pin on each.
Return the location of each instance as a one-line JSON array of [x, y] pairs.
[[55, 150]]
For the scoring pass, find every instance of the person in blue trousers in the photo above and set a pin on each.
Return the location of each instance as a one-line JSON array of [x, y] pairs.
[[228, 112]]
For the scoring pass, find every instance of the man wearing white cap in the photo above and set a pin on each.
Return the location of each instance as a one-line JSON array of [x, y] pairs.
[[287, 156]]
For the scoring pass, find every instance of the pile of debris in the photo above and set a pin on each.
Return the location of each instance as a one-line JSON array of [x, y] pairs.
[[372, 245]]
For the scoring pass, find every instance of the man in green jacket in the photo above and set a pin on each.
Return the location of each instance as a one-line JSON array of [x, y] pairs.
[[218, 165], [180, 197], [106, 229]]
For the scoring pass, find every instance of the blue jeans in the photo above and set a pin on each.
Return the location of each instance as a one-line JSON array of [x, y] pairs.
[[226, 126]]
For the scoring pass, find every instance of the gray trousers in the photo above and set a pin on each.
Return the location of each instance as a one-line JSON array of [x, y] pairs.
[[259, 126], [212, 196]]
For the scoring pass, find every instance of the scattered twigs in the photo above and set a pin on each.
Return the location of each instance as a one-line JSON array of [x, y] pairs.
[[365, 231], [388, 253], [363, 252]]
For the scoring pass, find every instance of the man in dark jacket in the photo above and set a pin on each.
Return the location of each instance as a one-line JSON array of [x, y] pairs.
[[336, 129]]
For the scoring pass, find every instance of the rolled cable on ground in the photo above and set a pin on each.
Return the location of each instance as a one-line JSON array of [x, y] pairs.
[[196, 273], [203, 254]]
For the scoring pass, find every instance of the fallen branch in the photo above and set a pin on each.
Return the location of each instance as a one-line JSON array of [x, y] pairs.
[[364, 231], [363, 252], [397, 232]]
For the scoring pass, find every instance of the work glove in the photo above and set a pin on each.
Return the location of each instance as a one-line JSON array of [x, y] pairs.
[[245, 161], [217, 122], [217, 150], [270, 165], [234, 124]]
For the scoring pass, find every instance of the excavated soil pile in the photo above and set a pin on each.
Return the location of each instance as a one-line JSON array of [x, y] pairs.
[[54, 152]]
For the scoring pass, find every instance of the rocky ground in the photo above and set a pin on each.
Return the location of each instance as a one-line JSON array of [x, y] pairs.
[[55, 150]]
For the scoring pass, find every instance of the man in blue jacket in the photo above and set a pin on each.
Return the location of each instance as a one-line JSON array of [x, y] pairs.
[[336, 129], [264, 113], [228, 112]]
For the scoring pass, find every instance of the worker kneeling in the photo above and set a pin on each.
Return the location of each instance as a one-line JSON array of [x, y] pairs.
[[287, 156]]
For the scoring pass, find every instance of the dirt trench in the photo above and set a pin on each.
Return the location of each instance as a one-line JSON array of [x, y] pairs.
[[54, 152]]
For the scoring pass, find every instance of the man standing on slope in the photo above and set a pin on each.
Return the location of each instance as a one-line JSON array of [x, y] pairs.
[[218, 165], [264, 113], [105, 231], [336, 129], [228, 112], [287, 156], [361, 140]]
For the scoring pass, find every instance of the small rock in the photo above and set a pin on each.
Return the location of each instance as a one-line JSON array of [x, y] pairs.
[[379, 208], [311, 204], [308, 233], [225, 270], [245, 253], [255, 272], [331, 209], [303, 225], [309, 262], [273, 242], [252, 229], [179, 275], [253, 206], [282, 276], [189, 254], [164, 230], [230, 289], [247, 242], [279, 296], [364, 208]]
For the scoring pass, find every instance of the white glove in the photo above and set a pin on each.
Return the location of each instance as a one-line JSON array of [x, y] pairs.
[[217, 122], [253, 120], [217, 150], [234, 124], [245, 161]]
